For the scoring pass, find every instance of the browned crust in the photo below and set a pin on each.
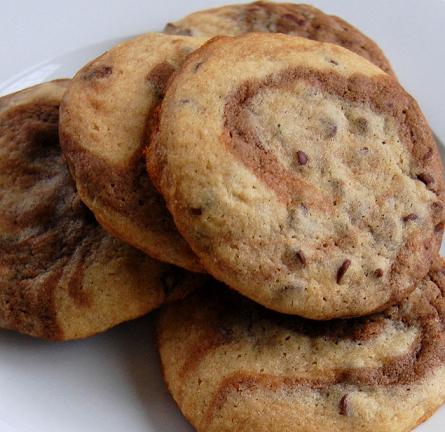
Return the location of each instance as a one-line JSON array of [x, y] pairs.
[[426, 416], [208, 312], [120, 195], [123, 190], [146, 214], [294, 19], [127, 192], [23, 95]]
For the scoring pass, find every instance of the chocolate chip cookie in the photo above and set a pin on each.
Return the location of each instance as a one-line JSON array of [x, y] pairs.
[[301, 174], [232, 365], [105, 119], [62, 276], [288, 18]]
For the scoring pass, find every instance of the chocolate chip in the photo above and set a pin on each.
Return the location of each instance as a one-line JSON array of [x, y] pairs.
[[343, 405], [98, 73], [409, 217], [302, 157], [426, 178], [343, 269], [437, 206], [301, 257], [378, 273], [439, 227]]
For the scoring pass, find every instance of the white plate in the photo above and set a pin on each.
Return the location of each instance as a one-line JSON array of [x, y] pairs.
[[112, 382]]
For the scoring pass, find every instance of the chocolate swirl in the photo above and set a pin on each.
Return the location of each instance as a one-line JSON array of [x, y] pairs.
[[63, 276], [309, 175], [106, 117], [228, 360], [288, 18]]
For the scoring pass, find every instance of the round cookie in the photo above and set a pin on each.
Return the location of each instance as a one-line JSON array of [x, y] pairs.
[[231, 364], [288, 18], [104, 121], [62, 276], [302, 175]]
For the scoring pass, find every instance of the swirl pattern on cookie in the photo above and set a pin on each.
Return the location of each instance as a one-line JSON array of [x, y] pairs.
[[231, 364], [62, 276], [105, 118], [288, 18], [302, 175]]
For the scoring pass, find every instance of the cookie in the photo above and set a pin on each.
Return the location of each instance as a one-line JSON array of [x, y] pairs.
[[62, 276], [288, 18], [231, 364], [302, 175], [105, 117]]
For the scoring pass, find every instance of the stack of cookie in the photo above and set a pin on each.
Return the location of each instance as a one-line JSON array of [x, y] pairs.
[[284, 159]]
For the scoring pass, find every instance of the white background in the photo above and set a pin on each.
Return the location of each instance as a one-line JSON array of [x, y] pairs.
[[112, 383]]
